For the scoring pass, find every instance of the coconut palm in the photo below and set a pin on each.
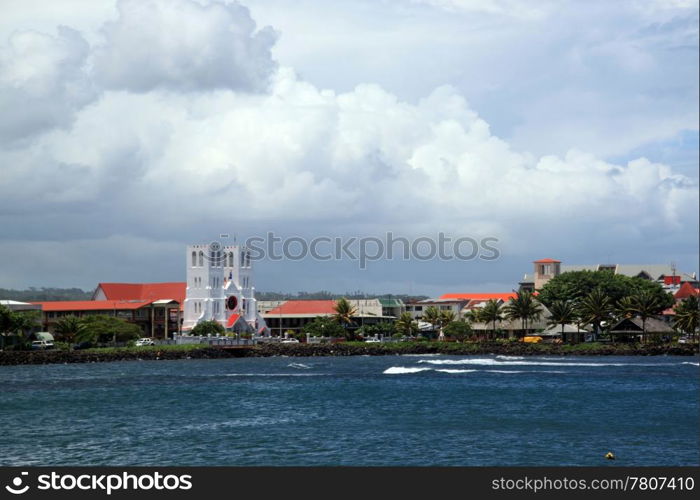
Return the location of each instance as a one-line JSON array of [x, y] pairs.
[[492, 312], [406, 325], [344, 312], [595, 308], [68, 328], [432, 315], [646, 305], [688, 315], [523, 307], [562, 312]]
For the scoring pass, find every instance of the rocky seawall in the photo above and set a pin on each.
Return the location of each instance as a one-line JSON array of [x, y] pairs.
[[355, 349]]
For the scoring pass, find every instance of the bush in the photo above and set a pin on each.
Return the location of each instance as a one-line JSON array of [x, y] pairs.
[[210, 327]]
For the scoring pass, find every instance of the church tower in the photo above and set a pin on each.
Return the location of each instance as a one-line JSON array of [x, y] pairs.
[[220, 287]]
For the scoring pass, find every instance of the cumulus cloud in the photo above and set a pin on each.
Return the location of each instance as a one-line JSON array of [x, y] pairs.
[[43, 82], [182, 45], [149, 163]]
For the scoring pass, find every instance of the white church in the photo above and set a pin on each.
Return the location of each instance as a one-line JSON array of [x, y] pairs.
[[220, 288]]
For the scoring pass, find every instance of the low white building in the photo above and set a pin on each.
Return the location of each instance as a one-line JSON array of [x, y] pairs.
[[220, 288]]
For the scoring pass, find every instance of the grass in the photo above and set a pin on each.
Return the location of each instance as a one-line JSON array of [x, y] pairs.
[[145, 348]]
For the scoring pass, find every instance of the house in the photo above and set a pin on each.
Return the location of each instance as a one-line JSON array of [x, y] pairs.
[[417, 309]]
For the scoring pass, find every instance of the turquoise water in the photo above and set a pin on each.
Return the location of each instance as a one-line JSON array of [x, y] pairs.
[[393, 410]]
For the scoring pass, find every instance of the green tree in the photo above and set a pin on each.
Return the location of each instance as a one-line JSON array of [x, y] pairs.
[[344, 312], [383, 329], [523, 307], [595, 308], [492, 312], [458, 330], [324, 327], [17, 324], [432, 315], [406, 325], [209, 327], [562, 313], [68, 328], [688, 315], [575, 285], [646, 305]]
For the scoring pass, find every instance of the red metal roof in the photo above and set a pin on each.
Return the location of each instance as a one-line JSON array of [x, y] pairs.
[[91, 305], [546, 261], [304, 307], [144, 291], [479, 296], [232, 320], [685, 291]]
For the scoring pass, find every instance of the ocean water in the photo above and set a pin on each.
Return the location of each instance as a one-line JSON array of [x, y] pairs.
[[393, 410]]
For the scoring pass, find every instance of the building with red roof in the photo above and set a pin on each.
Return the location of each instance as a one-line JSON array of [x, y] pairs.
[[157, 318]]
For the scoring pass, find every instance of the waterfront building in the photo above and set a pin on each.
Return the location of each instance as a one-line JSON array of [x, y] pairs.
[[158, 318], [293, 315], [220, 287]]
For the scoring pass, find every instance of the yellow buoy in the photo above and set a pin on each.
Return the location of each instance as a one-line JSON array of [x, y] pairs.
[[610, 455]]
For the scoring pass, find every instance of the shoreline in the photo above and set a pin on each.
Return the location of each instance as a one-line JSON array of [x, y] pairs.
[[156, 353]]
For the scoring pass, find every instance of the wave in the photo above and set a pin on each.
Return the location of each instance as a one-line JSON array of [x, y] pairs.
[[421, 355], [496, 362], [400, 370], [690, 363], [274, 374], [300, 366], [514, 358], [505, 371], [455, 370]]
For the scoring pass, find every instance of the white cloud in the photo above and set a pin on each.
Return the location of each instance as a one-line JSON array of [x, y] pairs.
[[175, 143], [42, 82], [179, 44]]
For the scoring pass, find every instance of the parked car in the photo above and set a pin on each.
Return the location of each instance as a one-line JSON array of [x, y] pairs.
[[82, 345], [290, 341], [145, 341], [42, 344], [373, 341]]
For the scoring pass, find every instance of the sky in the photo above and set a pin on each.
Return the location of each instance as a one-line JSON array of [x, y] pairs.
[[131, 128]]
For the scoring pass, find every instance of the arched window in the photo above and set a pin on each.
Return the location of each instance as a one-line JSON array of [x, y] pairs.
[[194, 259], [201, 258], [247, 258], [230, 259], [242, 258]]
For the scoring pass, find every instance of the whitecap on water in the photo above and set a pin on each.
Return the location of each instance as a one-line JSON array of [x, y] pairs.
[[455, 370], [400, 370], [300, 366]]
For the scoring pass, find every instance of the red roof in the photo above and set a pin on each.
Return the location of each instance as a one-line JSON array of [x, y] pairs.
[[92, 305], [307, 307], [505, 297], [546, 261], [232, 320], [144, 291], [685, 291]]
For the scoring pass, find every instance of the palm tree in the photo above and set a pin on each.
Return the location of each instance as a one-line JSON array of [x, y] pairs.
[[446, 317], [432, 315], [688, 315], [595, 308], [491, 313], [406, 325], [344, 312], [646, 305], [523, 307], [68, 328], [562, 312]]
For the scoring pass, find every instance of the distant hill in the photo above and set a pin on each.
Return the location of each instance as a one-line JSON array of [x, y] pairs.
[[326, 295], [44, 294]]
